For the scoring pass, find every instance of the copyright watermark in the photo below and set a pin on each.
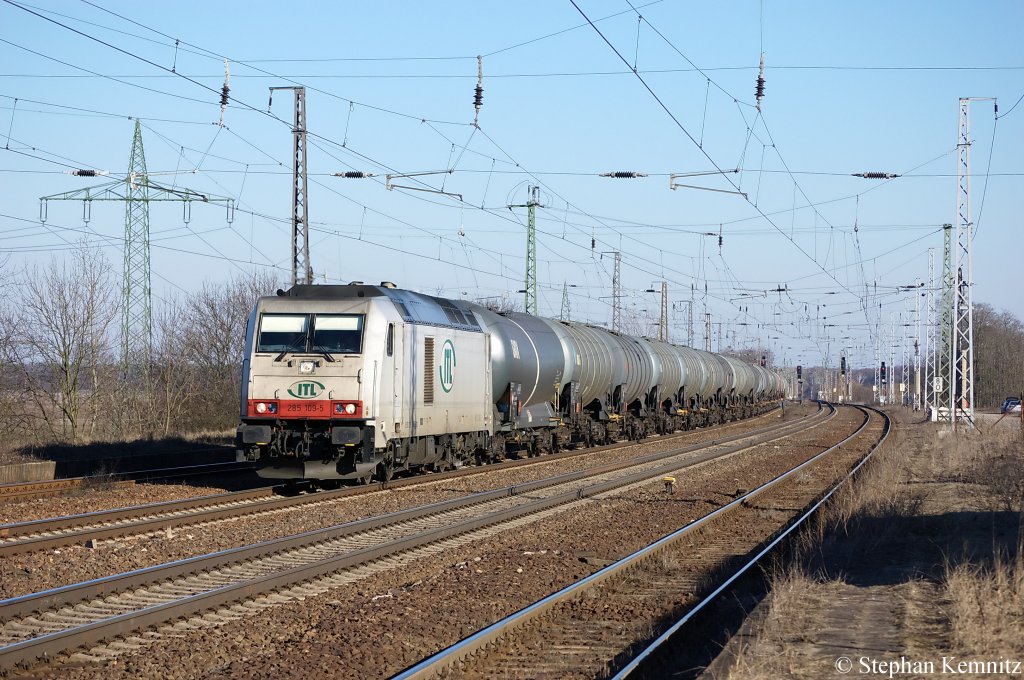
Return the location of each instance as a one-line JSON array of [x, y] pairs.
[[944, 665]]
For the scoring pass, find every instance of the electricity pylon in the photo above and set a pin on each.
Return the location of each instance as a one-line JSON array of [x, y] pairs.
[[136, 191]]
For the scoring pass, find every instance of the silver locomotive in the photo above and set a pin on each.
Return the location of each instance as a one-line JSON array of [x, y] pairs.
[[355, 382]]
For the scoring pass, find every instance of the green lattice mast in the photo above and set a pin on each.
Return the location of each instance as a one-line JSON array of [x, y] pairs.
[[943, 393], [137, 316]]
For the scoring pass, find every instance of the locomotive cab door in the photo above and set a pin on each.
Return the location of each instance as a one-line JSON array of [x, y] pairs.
[[394, 350]]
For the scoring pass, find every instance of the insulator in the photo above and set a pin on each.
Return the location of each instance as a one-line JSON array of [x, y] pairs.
[[623, 174], [719, 240], [478, 98], [224, 95], [593, 243], [759, 89], [85, 173], [875, 175], [354, 174]]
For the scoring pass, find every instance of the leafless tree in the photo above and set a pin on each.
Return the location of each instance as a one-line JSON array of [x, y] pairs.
[[58, 341], [502, 304], [213, 339], [173, 375], [998, 359]]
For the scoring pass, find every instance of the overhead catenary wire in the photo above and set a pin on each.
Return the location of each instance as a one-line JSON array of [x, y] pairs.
[[464, 149]]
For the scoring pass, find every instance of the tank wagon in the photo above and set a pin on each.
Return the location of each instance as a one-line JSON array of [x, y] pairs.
[[358, 381]]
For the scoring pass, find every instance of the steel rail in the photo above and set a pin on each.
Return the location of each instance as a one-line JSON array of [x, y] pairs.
[[16, 491], [51, 487], [45, 534], [448, 658], [57, 642], [635, 663], [23, 605]]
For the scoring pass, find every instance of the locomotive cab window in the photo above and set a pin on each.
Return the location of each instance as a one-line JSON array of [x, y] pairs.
[[283, 333], [338, 333]]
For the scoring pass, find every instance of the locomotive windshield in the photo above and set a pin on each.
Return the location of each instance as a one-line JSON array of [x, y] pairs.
[[338, 333], [331, 333]]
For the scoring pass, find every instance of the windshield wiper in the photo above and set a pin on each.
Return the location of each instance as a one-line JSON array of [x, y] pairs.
[[320, 349], [291, 347]]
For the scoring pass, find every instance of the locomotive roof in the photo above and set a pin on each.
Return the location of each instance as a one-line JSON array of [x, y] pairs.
[[414, 307]]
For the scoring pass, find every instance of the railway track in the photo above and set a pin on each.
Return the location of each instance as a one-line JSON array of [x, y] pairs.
[[19, 491], [614, 621], [237, 582], [48, 534]]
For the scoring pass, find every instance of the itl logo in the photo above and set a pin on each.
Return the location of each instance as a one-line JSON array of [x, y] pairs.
[[306, 389], [446, 371]]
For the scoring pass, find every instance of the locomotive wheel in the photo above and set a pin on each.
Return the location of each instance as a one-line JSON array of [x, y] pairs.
[[386, 469]]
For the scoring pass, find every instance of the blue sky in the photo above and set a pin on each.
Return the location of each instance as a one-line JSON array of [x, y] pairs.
[[849, 88]]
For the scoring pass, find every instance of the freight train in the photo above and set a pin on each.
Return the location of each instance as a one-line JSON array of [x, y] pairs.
[[358, 381]]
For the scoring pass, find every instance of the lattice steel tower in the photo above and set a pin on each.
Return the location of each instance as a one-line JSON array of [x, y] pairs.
[[302, 271], [530, 282], [617, 292], [943, 392], [137, 316], [929, 343], [663, 319], [530, 302], [962, 389]]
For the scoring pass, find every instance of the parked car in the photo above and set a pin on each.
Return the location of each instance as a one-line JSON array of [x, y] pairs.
[[1010, 405]]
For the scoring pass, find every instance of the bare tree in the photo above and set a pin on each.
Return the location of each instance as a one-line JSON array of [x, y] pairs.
[[58, 340], [174, 375], [214, 340], [998, 360], [9, 420]]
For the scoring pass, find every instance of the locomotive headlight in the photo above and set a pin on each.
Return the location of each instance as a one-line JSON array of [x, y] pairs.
[[350, 409], [265, 407], [306, 366]]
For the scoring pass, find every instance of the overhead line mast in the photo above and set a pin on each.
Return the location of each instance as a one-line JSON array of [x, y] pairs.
[[530, 287], [944, 381], [962, 373], [302, 271]]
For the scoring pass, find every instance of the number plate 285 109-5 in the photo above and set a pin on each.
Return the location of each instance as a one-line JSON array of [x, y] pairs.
[[304, 409]]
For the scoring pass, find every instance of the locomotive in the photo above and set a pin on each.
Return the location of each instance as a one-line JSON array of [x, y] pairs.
[[354, 382]]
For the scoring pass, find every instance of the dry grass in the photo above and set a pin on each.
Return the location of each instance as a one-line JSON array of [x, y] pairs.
[[791, 620], [987, 608], [973, 606]]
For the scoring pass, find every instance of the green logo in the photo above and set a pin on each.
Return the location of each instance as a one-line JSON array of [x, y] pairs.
[[446, 371], [306, 389]]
